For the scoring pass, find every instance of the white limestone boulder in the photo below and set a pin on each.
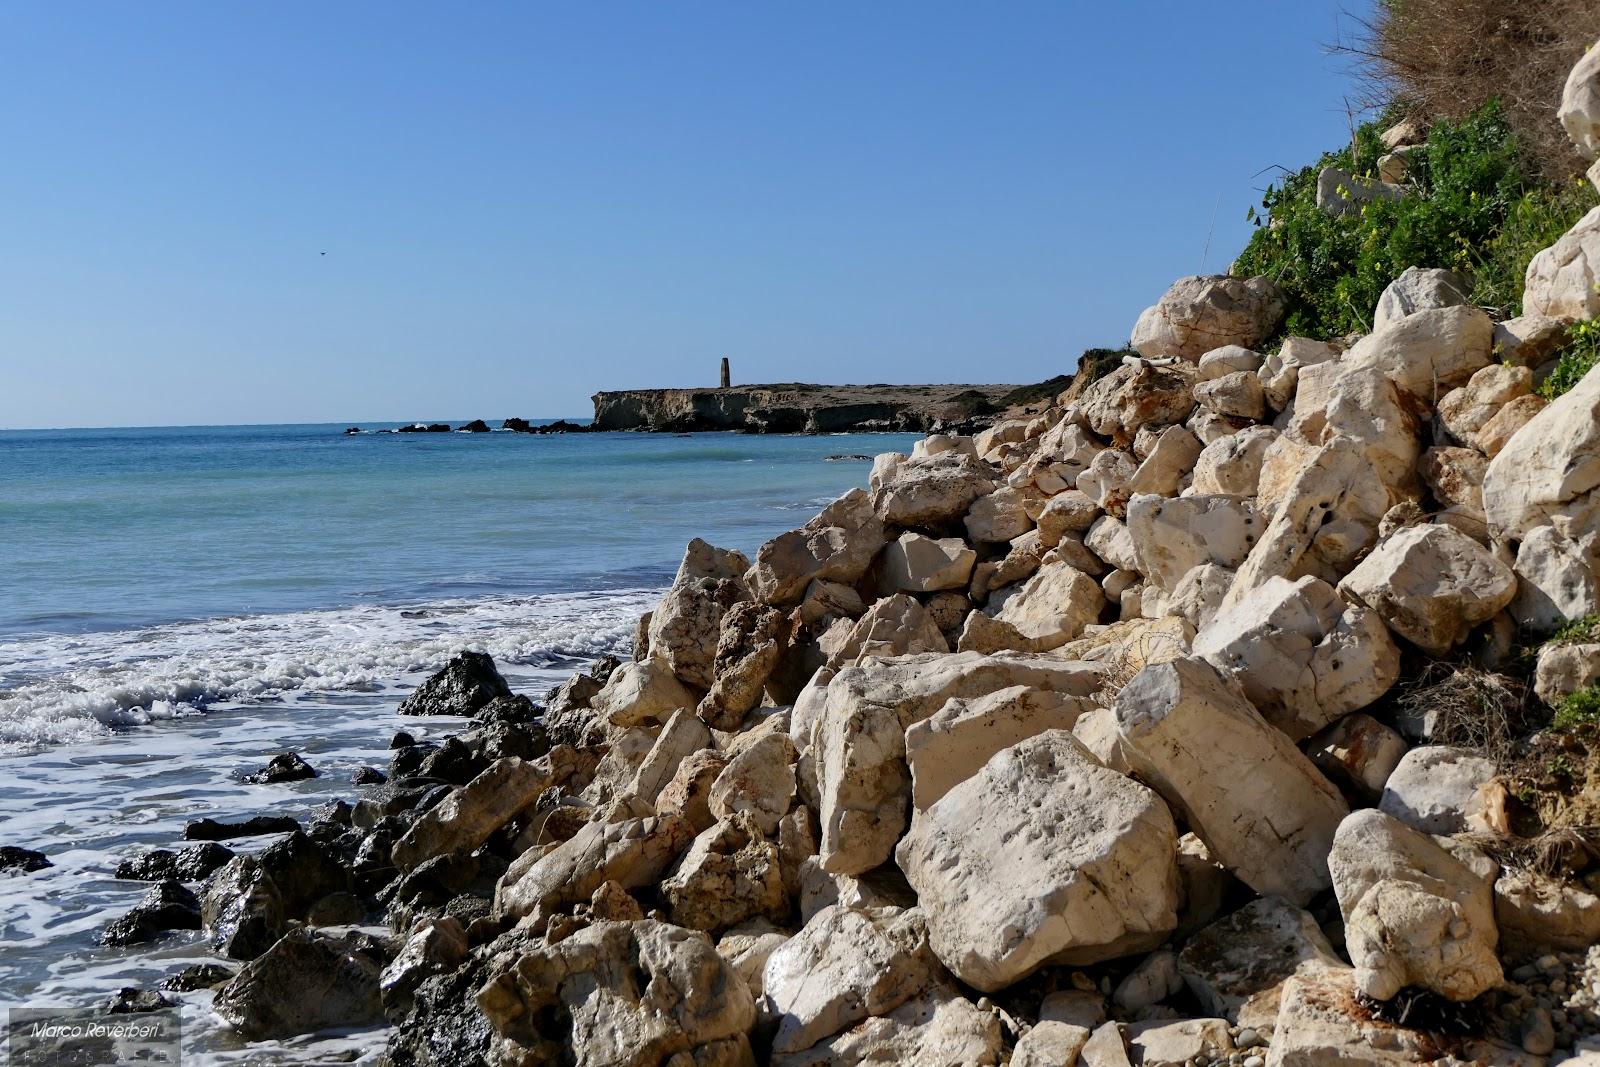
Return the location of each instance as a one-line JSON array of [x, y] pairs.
[[1237, 395], [1560, 282], [1131, 398], [915, 563], [1358, 752], [1428, 352], [1419, 289], [1044, 856], [1303, 657], [1257, 802], [928, 492], [684, 627], [630, 852], [1438, 789], [1280, 370], [1339, 192], [1167, 464], [759, 781], [1432, 584], [1415, 913], [1053, 607], [1580, 104], [1237, 966], [1564, 668], [894, 626], [836, 546], [1170, 537], [1229, 359], [936, 1027], [1231, 465], [998, 516], [644, 692], [1201, 313]]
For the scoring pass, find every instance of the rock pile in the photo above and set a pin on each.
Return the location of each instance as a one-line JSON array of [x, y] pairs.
[[1070, 741]]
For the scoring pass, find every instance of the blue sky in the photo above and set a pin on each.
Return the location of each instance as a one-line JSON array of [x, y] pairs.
[[522, 203]]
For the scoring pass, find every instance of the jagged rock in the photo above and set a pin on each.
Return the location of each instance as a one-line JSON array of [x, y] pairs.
[[26, 860], [1167, 464], [625, 752], [838, 545], [1044, 856], [1303, 657], [1237, 395], [435, 945], [932, 491], [825, 601], [683, 736], [1052, 607], [749, 646], [167, 905], [915, 563], [1106, 1047], [730, 873], [1560, 282], [1171, 537], [1556, 580], [684, 627], [1365, 405], [242, 910], [1231, 465], [465, 684], [1202, 313], [1415, 913], [1340, 192], [188, 865], [1505, 423], [284, 767], [1436, 789], [469, 815], [881, 887], [1237, 966], [1358, 752], [858, 738], [938, 1026], [1419, 289], [198, 976], [747, 947], [846, 965], [1133, 398], [998, 516], [304, 870], [688, 794], [1271, 817], [614, 993], [1200, 593], [1109, 539], [307, 981], [1428, 352], [1564, 669], [1181, 1041], [1017, 565], [954, 743], [1580, 104], [1537, 914], [1466, 410], [894, 626], [632, 853], [1432, 584], [1070, 512], [1280, 371], [1454, 476], [759, 780], [644, 692], [1106, 478], [1530, 340], [1066, 1020]]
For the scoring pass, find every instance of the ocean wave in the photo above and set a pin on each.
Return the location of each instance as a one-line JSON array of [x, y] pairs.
[[61, 688]]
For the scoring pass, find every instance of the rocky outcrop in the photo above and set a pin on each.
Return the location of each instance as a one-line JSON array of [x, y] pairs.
[[798, 408]]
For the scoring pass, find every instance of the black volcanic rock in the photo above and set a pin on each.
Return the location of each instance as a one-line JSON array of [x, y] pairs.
[[167, 906], [26, 860], [211, 830], [466, 684], [285, 767]]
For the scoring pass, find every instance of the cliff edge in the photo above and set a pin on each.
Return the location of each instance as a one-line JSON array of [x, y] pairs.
[[802, 408]]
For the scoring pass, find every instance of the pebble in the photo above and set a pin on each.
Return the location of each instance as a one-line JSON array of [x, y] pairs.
[[1248, 1038], [1254, 1061], [1538, 1035]]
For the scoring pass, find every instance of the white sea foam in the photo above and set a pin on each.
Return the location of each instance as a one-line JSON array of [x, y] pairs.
[[66, 688]]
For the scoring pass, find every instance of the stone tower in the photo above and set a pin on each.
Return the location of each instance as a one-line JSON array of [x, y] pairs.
[[726, 381]]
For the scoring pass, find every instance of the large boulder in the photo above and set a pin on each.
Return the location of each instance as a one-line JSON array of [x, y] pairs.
[[1044, 856], [1428, 352], [242, 910], [1280, 371], [759, 780], [464, 820], [1537, 914], [1580, 104], [685, 626], [915, 563], [307, 981], [750, 643], [1173, 536], [1258, 803], [682, 736], [1364, 405], [1303, 656], [1432, 584], [1052, 607], [1419, 289], [1437, 789], [857, 738], [846, 965], [644, 692], [999, 516], [954, 743], [462, 687], [639, 992], [1236, 967], [895, 626], [936, 1027], [1231, 465], [732, 872], [931, 492], [836, 546], [1415, 912], [1201, 313], [1561, 280], [632, 853], [1131, 398]]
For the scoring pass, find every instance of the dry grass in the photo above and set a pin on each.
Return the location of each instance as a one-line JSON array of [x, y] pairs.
[[1444, 58], [1554, 853], [1470, 708]]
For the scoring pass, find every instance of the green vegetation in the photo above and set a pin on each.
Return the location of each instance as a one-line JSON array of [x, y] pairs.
[[1573, 631], [1096, 363], [1581, 353], [1577, 709], [970, 402], [1042, 392], [1480, 208]]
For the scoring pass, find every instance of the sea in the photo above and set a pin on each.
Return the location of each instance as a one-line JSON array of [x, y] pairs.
[[177, 605]]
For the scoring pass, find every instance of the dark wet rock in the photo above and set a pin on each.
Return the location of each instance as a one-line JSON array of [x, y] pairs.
[[192, 864], [135, 1001], [352, 429], [436, 881], [24, 860], [336, 909], [435, 946], [515, 709], [444, 1027], [408, 761], [454, 762], [167, 905], [465, 684], [369, 776], [198, 976], [242, 909], [284, 767], [425, 427], [304, 870], [401, 739], [212, 830], [476, 426], [519, 425], [307, 981], [395, 798], [841, 457]]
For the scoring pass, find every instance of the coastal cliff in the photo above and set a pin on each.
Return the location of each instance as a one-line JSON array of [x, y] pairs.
[[802, 408]]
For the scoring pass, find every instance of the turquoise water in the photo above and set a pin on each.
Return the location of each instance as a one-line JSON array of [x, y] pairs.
[[149, 572]]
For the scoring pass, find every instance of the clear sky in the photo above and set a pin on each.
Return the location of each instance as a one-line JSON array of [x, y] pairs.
[[308, 212]]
